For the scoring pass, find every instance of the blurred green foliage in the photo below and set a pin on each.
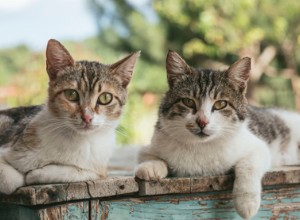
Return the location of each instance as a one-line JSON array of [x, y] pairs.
[[204, 32]]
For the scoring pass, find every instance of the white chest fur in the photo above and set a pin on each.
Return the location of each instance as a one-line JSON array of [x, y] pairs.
[[90, 151], [212, 158]]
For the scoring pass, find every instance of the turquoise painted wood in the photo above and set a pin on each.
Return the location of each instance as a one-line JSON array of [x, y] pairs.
[[277, 203], [170, 198], [71, 211]]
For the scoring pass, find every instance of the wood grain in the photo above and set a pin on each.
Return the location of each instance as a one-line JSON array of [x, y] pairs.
[[282, 176], [54, 193]]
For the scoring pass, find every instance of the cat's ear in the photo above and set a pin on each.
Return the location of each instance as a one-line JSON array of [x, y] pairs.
[[123, 69], [239, 72], [58, 58], [176, 67]]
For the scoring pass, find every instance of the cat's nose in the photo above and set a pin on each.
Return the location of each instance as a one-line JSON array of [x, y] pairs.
[[87, 118], [202, 122]]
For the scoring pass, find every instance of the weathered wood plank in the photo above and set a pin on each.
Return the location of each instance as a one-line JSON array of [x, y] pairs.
[[279, 203], [24, 195], [284, 175], [72, 211], [53, 193], [112, 186], [168, 186], [214, 183]]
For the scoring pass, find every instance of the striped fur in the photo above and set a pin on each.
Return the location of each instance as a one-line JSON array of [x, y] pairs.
[[206, 127], [72, 136]]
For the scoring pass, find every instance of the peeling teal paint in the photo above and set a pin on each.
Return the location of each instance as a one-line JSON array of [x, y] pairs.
[[280, 203], [77, 212]]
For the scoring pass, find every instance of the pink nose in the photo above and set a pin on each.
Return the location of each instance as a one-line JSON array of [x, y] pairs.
[[87, 118], [202, 122]]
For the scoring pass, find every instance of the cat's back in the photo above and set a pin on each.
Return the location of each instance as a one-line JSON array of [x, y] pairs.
[[14, 120], [273, 123]]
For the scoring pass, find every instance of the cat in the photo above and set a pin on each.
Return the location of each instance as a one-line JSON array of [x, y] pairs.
[[72, 136], [206, 127]]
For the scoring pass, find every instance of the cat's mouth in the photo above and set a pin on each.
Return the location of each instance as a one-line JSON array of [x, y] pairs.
[[201, 134], [86, 127]]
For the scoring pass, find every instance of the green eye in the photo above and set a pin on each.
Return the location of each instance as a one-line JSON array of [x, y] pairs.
[[189, 102], [220, 105], [105, 98], [72, 95]]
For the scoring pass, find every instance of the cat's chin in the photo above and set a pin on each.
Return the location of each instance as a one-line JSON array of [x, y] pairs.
[[87, 129]]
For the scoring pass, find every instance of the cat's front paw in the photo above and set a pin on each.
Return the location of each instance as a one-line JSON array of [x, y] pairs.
[[151, 170], [34, 177], [11, 182], [246, 203]]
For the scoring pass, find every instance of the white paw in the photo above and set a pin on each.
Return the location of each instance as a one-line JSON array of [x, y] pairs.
[[246, 203], [34, 177], [11, 182], [151, 170]]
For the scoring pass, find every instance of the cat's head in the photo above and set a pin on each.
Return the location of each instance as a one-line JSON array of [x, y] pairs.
[[86, 96], [203, 105]]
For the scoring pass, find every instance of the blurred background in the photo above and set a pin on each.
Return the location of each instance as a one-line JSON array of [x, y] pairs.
[[210, 34]]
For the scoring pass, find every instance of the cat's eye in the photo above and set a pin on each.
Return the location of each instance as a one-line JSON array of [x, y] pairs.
[[220, 105], [72, 95], [189, 102], [105, 98]]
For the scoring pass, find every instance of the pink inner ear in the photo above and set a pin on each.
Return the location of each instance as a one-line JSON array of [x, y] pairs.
[[58, 58], [176, 67], [240, 70], [123, 69]]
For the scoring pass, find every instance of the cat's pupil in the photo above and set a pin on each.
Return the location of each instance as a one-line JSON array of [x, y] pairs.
[[220, 105], [72, 95], [105, 98]]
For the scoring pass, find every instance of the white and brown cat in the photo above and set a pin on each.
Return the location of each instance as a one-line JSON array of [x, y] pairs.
[[205, 127], [71, 137]]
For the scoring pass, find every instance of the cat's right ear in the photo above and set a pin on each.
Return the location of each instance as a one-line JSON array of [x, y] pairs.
[[58, 58], [176, 67]]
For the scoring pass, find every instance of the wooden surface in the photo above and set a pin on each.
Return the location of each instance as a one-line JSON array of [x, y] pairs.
[[124, 197], [54, 193], [279, 176], [277, 203]]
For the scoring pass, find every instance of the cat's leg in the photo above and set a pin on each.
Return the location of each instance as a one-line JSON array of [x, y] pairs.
[[150, 167], [10, 178], [247, 185], [60, 174]]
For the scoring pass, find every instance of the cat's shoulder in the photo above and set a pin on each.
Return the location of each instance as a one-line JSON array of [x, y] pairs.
[[14, 120], [18, 114], [22, 112]]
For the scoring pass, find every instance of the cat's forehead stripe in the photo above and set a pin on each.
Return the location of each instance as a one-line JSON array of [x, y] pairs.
[[206, 82]]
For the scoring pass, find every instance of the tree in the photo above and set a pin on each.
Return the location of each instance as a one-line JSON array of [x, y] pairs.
[[209, 31]]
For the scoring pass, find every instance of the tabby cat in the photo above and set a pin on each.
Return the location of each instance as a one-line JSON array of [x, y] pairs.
[[72, 136], [205, 127]]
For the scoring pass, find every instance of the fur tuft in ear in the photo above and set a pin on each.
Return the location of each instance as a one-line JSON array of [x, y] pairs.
[[58, 58], [123, 69], [239, 72], [176, 67]]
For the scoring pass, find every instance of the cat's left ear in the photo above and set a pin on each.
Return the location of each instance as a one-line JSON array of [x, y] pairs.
[[123, 69], [239, 72]]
